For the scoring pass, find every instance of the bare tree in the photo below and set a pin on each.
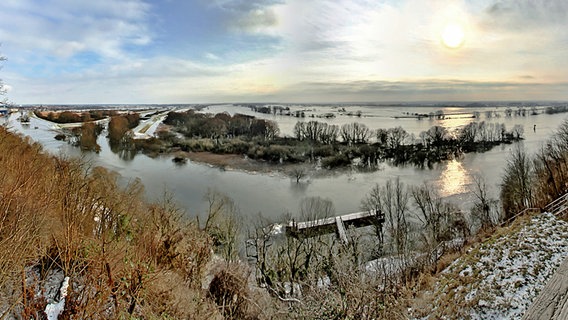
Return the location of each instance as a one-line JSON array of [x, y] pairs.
[[305, 254], [434, 214], [222, 223], [355, 133], [516, 186], [258, 247], [373, 202], [392, 200], [298, 173], [518, 131], [485, 209], [436, 135], [396, 137]]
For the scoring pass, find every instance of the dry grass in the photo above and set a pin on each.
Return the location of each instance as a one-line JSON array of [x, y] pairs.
[[126, 258]]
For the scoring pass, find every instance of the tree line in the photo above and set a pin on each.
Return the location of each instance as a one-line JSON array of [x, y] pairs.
[[119, 125], [222, 125], [73, 116]]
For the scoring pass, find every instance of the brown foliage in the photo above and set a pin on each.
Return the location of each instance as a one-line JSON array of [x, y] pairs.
[[118, 251], [229, 290]]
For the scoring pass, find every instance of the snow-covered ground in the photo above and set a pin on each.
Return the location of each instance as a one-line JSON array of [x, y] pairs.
[[54, 309], [499, 278], [147, 128]]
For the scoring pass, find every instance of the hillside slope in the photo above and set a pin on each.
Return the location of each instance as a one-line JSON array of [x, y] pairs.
[[500, 277]]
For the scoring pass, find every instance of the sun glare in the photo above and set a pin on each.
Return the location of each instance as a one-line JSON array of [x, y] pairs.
[[453, 35]]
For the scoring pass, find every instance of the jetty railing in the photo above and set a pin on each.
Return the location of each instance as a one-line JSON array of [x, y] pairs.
[[558, 206], [338, 224]]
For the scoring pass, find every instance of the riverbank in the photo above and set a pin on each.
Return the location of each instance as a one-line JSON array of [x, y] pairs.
[[232, 162], [242, 163]]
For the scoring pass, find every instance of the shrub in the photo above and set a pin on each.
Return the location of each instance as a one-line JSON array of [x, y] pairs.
[[336, 161], [229, 290]]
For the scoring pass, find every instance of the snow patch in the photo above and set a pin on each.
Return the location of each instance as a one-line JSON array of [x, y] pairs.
[[53, 310]]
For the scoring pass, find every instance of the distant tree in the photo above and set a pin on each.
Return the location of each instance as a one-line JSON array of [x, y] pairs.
[[436, 135], [117, 128], [298, 173], [396, 137], [518, 131], [176, 118], [382, 136], [299, 130], [239, 125], [88, 137], [469, 133], [355, 133], [265, 129], [214, 128], [68, 117]]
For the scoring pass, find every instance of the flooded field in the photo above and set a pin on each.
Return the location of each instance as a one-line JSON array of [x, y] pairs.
[[275, 194]]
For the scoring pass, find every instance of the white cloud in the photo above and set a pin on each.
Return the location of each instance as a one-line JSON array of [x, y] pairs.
[[212, 56], [64, 27]]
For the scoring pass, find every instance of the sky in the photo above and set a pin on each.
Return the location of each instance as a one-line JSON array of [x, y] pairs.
[[289, 51]]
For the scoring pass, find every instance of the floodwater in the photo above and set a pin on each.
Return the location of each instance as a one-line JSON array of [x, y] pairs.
[[273, 195]]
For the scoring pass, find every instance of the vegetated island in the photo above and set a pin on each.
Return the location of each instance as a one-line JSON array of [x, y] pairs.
[[250, 143], [318, 143]]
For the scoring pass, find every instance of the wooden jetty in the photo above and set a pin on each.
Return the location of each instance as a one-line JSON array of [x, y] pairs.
[[337, 225]]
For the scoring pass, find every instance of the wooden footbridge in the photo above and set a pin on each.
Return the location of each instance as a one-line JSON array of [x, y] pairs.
[[337, 225]]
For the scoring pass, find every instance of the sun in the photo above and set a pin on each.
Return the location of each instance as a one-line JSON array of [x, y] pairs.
[[453, 35]]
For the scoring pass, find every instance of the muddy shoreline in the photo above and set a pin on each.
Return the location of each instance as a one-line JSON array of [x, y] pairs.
[[235, 162]]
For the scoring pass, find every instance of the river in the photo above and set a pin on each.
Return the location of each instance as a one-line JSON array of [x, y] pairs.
[[273, 195]]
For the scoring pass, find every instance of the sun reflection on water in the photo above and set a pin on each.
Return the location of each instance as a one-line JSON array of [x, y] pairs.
[[454, 179]]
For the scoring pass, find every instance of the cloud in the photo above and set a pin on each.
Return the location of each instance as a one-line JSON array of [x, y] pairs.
[[255, 20], [248, 15], [250, 50], [212, 56], [424, 90], [523, 14], [63, 28]]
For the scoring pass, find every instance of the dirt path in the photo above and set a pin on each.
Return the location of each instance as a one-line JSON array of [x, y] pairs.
[[552, 302]]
